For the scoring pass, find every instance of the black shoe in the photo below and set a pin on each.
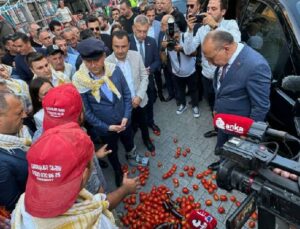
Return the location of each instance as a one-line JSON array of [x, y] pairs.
[[154, 127], [118, 178], [214, 166], [103, 164], [169, 98], [149, 145], [210, 134]]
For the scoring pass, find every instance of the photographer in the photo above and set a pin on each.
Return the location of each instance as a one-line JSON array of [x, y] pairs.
[[183, 68]]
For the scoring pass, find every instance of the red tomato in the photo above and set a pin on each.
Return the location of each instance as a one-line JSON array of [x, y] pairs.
[[214, 176], [199, 176], [216, 197], [251, 224], [184, 153], [221, 210], [188, 150], [191, 198], [223, 198], [186, 168], [254, 216], [175, 180], [185, 190], [190, 173], [181, 174], [233, 198], [208, 202], [238, 203], [195, 187]]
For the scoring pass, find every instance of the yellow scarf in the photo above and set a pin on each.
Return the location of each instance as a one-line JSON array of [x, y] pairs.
[[85, 213], [83, 82]]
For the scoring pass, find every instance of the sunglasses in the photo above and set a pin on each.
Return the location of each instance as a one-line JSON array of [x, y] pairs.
[[97, 29], [190, 6]]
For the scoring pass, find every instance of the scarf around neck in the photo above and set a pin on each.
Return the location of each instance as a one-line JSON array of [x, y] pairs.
[[83, 82]]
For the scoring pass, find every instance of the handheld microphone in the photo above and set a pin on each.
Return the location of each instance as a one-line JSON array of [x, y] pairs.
[[291, 83], [243, 126], [200, 219]]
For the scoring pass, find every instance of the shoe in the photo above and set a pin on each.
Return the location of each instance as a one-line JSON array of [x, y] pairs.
[[210, 134], [103, 164], [196, 112], [181, 109], [169, 98], [149, 145], [135, 159], [154, 127], [118, 178], [214, 166]]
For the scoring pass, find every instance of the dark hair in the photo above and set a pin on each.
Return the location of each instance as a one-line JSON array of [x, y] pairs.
[[114, 9], [120, 34], [91, 18], [149, 8], [34, 88], [54, 23], [33, 57], [115, 26], [224, 4], [57, 38], [127, 2], [7, 38], [87, 33], [22, 36]]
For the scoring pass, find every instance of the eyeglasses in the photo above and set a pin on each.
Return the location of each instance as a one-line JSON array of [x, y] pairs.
[[190, 6], [93, 29]]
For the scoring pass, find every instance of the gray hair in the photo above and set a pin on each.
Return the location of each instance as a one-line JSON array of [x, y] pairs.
[[66, 30], [219, 38], [141, 19], [3, 100]]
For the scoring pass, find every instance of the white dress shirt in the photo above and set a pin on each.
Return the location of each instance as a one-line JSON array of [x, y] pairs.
[[125, 67]]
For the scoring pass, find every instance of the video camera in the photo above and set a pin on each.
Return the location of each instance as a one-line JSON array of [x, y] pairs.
[[172, 42], [248, 168]]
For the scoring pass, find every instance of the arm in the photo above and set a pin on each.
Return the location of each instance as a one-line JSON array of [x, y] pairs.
[[232, 27], [258, 88], [141, 92], [126, 95], [155, 65], [191, 42], [91, 117]]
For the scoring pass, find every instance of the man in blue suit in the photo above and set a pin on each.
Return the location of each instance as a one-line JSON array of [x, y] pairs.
[[146, 46], [107, 102], [242, 79]]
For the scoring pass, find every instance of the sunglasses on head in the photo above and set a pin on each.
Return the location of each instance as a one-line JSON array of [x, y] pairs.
[[190, 6], [97, 28]]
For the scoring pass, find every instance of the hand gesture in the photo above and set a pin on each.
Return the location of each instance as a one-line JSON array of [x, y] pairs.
[[131, 184], [124, 122], [191, 22], [116, 128], [209, 20], [136, 101], [102, 152]]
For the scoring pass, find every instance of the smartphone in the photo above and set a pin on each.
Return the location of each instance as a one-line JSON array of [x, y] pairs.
[[199, 18]]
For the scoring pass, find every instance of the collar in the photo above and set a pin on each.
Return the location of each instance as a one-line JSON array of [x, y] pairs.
[[239, 48], [137, 41]]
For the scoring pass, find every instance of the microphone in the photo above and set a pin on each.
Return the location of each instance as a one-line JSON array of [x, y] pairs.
[[244, 126], [200, 219], [291, 83]]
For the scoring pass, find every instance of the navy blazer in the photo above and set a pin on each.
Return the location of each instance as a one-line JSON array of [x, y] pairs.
[[102, 115], [13, 176], [245, 88], [152, 59]]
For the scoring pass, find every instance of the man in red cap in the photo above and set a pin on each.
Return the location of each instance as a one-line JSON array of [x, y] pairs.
[[59, 166]]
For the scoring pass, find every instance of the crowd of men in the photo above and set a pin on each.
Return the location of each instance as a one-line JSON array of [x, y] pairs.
[[69, 92]]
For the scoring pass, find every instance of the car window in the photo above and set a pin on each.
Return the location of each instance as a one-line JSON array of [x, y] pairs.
[[263, 32]]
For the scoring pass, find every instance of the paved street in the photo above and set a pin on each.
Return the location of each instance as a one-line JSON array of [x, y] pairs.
[[189, 132]]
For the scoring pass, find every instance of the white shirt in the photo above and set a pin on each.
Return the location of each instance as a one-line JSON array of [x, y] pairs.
[[192, 42], [125, 67], [230, 62], [65, 14], [186, 67], [38, 118], [137, 42]]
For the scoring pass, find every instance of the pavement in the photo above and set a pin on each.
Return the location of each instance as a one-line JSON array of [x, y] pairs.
[[189, 132]]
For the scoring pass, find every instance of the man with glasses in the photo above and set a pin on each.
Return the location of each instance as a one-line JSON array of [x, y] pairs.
[[213, 20], [94, 25], [242, 79]]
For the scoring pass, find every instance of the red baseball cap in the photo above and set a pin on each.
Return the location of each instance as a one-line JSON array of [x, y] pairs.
[[62, 104], [56, 162]]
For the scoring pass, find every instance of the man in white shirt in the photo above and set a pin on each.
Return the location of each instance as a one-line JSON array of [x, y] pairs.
[[213, 20], [55, 57]]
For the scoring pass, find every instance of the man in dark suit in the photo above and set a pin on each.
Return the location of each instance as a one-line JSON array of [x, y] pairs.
[[242, 79], [107, 102], [147, 47]]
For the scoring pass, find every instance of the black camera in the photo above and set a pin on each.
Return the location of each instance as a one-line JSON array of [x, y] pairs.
[[248, 168], [199, 18], [172, 42]]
